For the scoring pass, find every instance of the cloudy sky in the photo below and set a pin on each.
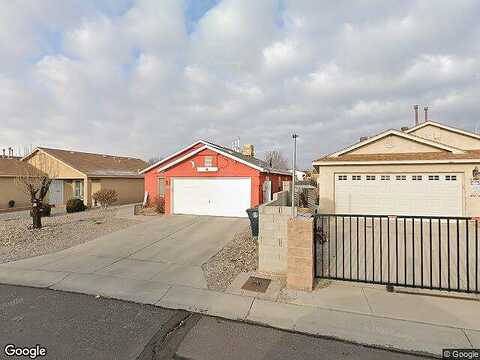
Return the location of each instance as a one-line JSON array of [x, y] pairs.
[[144, 78]]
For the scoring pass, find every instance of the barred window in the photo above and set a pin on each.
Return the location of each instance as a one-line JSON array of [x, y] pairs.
[[356, 177], [385, 177], [433, 177], [401, 177], [417, 177], [342, 177], [370, 177]]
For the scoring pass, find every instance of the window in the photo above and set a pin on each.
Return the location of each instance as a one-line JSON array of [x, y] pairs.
[[342, 177], [451, 177], [385, 177], [401, 177], [433, 177], [370, 177], [208, 161], [161, 186], [356, 177], [78, 188], [417, 177]]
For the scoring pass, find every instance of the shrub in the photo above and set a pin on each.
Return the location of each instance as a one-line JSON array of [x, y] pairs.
[[160, 205], [105, 197], [75, 205], [45, 210], [11, 203]]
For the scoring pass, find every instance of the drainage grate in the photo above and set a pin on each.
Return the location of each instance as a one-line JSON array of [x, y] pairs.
[[256, 284]]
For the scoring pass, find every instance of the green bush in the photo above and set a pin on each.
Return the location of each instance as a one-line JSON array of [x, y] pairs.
[[75, 205]]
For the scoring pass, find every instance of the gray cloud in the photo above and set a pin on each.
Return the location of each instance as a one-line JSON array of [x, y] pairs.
[[127, 77]]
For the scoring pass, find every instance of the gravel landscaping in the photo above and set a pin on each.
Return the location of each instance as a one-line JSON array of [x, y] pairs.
[[18, 240], [240, 255]]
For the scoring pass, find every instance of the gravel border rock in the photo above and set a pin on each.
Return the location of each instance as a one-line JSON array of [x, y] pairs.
[[239, 255], [18, 240]]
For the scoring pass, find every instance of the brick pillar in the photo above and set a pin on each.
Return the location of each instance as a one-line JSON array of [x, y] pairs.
[[300, 255]]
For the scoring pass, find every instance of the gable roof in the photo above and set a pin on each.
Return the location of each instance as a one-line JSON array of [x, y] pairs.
[[468, 156], [91, 164], [401, 134], [444, 127], [247, 160], [12, 166]]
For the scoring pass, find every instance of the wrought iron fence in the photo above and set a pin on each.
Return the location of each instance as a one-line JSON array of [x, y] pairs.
[[411, 251]]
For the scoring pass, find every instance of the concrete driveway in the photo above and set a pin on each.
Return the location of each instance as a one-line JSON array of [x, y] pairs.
[[166, 250]]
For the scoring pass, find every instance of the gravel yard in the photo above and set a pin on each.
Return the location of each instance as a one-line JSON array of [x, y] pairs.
[[18, 240], [240, 255]]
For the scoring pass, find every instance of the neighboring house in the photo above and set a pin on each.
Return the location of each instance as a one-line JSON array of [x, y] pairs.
[[79, 175], [299, 174], [208, 179], [11, 167], [430, 169]]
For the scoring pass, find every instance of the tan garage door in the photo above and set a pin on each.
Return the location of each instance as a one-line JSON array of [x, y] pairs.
[[399, 194]]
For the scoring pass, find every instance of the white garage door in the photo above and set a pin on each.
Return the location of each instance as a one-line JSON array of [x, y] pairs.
[[399, 194], [215, 196]]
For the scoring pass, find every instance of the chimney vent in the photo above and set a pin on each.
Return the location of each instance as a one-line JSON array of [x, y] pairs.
[[415, 107], [248, 150], [363, 138], [426, 113], [404, 128]]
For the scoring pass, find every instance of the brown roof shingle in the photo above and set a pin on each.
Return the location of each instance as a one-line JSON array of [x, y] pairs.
[[98, 164], [10, 167], [441, 155]]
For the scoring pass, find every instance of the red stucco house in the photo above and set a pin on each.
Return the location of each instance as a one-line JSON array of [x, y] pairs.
[[207, 179]]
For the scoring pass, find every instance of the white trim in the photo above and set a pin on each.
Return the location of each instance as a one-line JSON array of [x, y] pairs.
[[445, 127], [395, 162], [171, 156], [206, 146], [401, 134]]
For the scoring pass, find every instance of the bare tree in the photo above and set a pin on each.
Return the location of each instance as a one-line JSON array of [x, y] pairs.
[[34, 182], [153, 160], [276, 159]]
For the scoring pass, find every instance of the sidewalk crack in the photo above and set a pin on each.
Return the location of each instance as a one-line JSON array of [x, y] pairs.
[[468, 339], [366, 299]]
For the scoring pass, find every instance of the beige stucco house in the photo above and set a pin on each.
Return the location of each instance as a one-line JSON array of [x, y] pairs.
[[10, 168], [430, 169], [80, 174]]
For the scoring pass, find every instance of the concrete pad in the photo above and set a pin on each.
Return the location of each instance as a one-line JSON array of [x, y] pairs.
[[372, 330], [195, 244], [272, 293], [474, 338], [333, 296], [79, 264], [206, 301], [443, 310], [146, 292], [179, 274], [33, 263], [134, 269], [280, 315], [35, 278]]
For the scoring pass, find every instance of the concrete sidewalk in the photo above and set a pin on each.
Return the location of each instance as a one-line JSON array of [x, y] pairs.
[[159, 262]]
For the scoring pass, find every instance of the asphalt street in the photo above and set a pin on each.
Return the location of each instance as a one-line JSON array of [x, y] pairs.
[[76, 326]]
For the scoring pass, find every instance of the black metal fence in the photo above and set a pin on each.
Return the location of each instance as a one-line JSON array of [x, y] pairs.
[[412, 251]]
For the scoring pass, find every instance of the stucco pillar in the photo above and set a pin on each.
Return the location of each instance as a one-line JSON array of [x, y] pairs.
[[87, 196], [300, 254]]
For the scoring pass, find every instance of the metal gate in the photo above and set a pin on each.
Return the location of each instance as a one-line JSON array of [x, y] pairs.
[[411, 251]]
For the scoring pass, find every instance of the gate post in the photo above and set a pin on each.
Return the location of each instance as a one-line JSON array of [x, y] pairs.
[[300, 255]]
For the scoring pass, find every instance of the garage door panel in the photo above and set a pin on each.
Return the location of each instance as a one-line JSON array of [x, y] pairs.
[[399, 197], [215, 197]]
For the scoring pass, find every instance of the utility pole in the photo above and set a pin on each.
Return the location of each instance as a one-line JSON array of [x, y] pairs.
[[294, 173]]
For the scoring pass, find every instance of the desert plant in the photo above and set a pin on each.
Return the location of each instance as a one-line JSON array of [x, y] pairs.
[[11, 203], [160, 205], [75, 205], [105, 197]]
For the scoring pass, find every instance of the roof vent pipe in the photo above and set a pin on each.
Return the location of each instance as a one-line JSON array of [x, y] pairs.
[[415, 107], [426, 113], [404, 128], [363, 138]]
